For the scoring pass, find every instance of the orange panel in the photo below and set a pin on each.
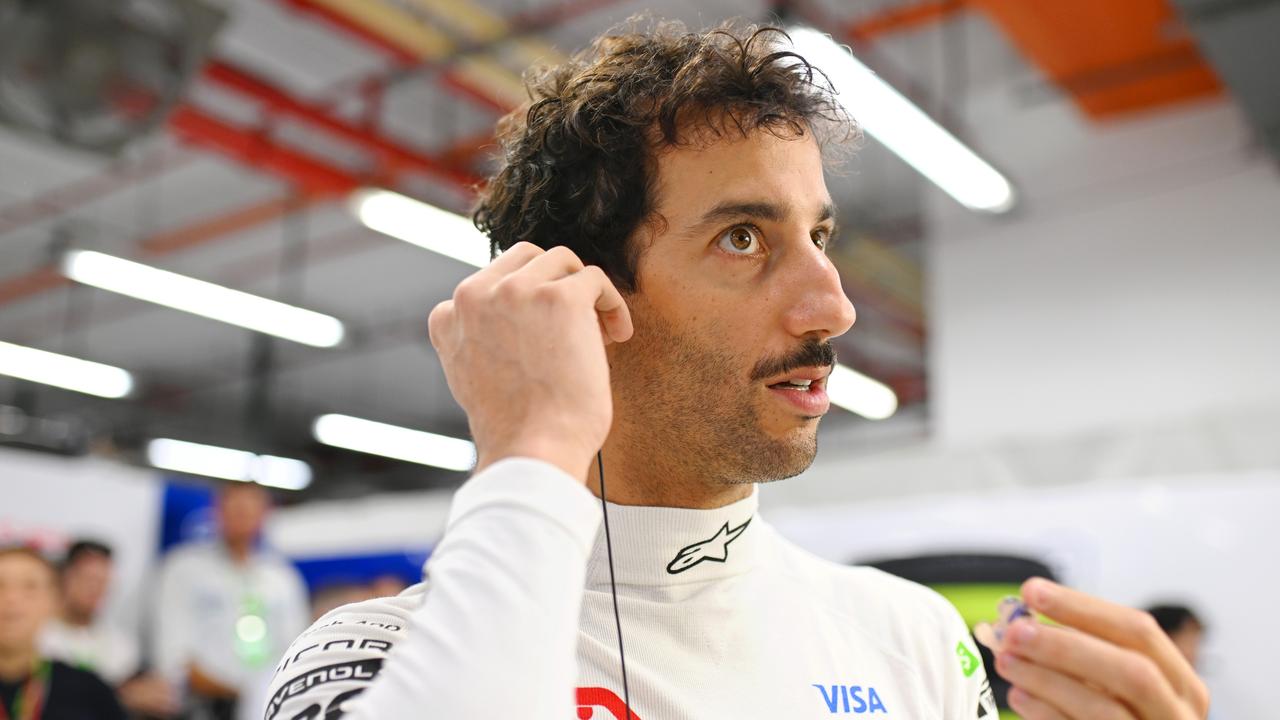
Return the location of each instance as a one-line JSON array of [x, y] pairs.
[[1112, 57]]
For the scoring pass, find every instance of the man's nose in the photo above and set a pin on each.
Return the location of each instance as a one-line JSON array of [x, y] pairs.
[[819, 306]]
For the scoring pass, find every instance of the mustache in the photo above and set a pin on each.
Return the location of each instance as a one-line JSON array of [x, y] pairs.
[[813, 353]]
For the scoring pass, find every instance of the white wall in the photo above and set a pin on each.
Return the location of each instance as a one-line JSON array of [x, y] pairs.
[[1139, 283]]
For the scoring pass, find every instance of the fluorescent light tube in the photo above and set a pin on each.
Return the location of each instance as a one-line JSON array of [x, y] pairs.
[[418, 223], [64, 371], [396, 442], [228, 464], [202, 298], [860, 394], [904, 128]]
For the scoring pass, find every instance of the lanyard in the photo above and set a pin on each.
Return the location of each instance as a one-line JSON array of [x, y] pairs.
[[29, 702], [252, 639], [613, 585]]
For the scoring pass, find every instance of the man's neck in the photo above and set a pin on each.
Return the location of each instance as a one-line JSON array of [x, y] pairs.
[[16, 663], [239, 551], [648, 481], [75, 618]]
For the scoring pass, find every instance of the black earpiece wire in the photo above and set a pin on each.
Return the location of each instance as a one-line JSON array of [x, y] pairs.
[[613, 585]]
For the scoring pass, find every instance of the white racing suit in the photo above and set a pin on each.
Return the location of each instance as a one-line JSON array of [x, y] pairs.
[[722, 619]]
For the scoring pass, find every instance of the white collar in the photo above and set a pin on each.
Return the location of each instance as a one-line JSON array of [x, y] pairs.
[[657, 546]]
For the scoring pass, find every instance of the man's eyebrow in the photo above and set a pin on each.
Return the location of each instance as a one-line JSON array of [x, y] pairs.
[[757, 209]]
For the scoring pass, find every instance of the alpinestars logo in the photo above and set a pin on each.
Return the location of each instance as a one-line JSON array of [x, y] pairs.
[[716, 549], [987, 707]]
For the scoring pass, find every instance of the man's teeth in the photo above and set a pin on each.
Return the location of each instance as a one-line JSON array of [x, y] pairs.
[[802, 384]]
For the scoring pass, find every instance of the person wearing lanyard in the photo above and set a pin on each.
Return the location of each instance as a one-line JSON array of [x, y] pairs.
[[33, 687], [226, 610]]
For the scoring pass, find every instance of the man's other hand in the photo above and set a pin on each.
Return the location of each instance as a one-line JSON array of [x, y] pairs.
[[1105, 661], [522, 346]]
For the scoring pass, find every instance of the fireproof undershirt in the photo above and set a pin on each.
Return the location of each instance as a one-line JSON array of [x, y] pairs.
[[721, 618]]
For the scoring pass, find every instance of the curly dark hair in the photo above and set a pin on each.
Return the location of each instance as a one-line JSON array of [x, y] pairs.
[[578, 167]]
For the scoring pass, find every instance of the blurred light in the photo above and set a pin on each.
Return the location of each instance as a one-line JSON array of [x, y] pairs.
[[393, 441], [63, 371], [202, 298], [281, 472], [904, 128], [426, 226], [860, 394], [251, 628], [228, 464]]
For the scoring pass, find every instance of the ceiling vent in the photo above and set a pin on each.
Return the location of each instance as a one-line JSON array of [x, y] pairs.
[[95, 75]]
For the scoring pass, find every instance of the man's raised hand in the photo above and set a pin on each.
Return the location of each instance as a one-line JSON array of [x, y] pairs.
[[1105, 662], [522, 346]]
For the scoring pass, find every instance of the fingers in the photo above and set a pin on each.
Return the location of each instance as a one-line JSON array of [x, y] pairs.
[[438, 322], [554, 264], [526, 265], [514, 258], [615, 317], [1029, 707], [518, 271], [503, 266], [1066, 695], [986, 635], [1124, 674], [1123, 626]]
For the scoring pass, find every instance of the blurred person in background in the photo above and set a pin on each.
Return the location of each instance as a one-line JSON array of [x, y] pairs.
[[226, 609], [31, 684], [387, 586], [80, 636], [335, 595], [1183, 626]]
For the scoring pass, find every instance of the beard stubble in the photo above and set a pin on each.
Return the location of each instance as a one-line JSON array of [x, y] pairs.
[[687, 409]]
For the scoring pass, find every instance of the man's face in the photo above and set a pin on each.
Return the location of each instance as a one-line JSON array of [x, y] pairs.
[[85, 583], [1188, 638], [241, 511], [26, 599], [735, 295]]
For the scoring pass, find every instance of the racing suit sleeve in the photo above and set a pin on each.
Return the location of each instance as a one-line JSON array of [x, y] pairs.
[[493, 630], [967, 690]]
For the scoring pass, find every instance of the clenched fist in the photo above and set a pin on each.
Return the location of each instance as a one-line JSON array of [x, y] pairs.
[[522, 345]]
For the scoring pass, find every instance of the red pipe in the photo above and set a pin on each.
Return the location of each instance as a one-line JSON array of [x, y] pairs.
[[278, 101], [314, 177], [255, 150]]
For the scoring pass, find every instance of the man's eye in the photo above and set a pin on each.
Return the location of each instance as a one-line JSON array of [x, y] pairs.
[[740, 240], [822, 238]]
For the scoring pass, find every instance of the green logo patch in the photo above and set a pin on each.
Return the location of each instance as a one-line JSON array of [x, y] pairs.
[[969, 663]]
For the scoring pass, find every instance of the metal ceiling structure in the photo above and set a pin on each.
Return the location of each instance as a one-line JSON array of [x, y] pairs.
[[304, 101]]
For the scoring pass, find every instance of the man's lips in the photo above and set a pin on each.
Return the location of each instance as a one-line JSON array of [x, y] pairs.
[[810, 401]]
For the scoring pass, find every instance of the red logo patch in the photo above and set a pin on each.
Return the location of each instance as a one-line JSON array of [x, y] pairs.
[[591, 698]]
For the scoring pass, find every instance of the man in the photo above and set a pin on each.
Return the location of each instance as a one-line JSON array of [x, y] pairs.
[[31, 685], [226, 609], [79, 636], [1183, 627], [664, 296]]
